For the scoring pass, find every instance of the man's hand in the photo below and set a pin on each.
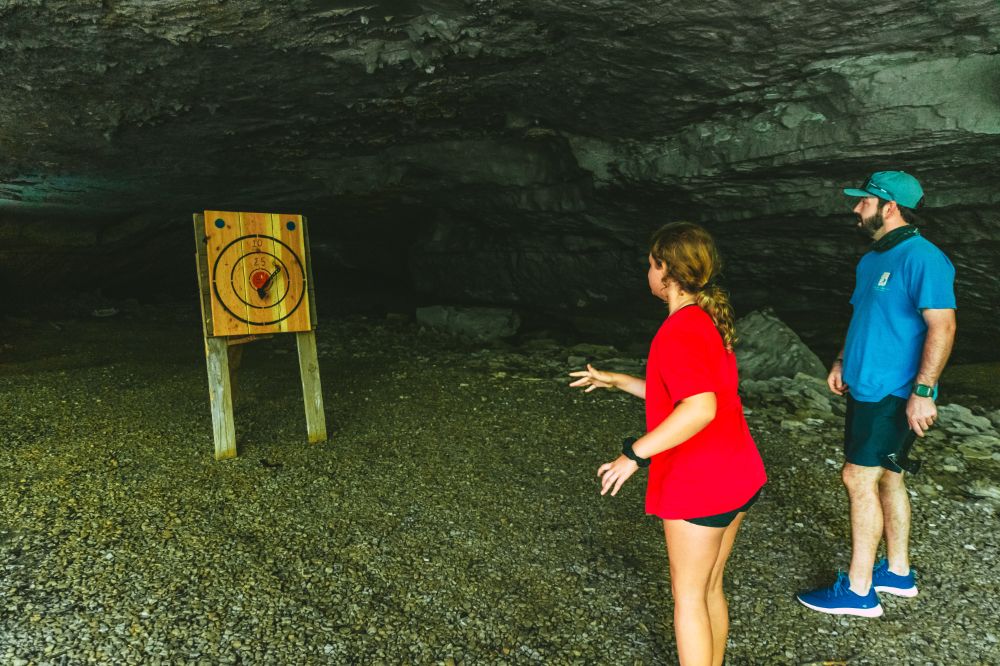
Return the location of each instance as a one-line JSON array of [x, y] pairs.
[[616, 473], [920, 413], [835, 380]]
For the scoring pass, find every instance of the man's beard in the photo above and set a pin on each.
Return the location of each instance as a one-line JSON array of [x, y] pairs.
[[871, 225]]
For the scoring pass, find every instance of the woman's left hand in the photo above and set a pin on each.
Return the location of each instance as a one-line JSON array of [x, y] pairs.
[[616, 473]]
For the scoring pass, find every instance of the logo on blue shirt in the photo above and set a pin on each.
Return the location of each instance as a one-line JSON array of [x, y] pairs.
[[883, 281]]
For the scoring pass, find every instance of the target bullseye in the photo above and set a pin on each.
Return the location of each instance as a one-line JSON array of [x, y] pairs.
[[259, 278]]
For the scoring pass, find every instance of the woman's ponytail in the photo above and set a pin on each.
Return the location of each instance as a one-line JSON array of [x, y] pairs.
[[714, 300]]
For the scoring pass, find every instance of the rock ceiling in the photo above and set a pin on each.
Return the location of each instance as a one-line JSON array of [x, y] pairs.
[[501, 151]]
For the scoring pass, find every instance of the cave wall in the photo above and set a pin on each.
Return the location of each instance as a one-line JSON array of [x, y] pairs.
[[516, 153]]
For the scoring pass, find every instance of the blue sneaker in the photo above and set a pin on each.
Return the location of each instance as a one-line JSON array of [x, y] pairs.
[[838, 599], [884, 580]]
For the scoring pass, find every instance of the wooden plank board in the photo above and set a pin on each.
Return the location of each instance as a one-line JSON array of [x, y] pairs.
[[257, 249], [293, 253], [229, 313], [284, 282]]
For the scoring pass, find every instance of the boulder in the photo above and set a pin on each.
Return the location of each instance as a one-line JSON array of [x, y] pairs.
[[980, 447], [994, 417], [474, 323], [802, 394], [768, 348], [982, 489], [958, 420]]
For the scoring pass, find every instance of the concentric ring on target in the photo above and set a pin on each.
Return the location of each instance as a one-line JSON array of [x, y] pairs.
[[261, 311]]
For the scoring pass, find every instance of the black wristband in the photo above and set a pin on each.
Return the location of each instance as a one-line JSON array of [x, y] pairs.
[[630, 454]]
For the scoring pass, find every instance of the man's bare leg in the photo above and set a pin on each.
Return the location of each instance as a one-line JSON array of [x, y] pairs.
[[866, 522], [896, 516]]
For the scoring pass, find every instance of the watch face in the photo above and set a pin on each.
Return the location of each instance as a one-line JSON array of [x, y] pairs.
[[257, 270], [923, 391]]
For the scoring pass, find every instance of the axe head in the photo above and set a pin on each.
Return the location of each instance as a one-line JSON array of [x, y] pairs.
[[901, 464]]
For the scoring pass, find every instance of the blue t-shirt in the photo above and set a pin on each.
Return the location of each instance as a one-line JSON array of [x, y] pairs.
[[885, 341]]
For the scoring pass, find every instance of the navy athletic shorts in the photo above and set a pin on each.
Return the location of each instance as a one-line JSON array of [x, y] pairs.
[[873, 430]]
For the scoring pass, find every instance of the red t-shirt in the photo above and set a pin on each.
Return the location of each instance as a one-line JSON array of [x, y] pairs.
[[719, 469]]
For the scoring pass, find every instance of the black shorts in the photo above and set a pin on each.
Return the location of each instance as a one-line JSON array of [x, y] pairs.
[[723, 519], [873, 430]]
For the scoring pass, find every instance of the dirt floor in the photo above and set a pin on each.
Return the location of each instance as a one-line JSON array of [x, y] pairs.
[[453, 516]]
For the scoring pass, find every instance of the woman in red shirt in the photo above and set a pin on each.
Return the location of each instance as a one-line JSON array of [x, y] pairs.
[[704, 468]]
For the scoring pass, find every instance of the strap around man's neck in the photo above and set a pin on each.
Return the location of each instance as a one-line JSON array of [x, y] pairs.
[[895, 237]]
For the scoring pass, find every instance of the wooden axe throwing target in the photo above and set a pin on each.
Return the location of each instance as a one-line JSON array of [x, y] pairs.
[[258, 272], [255, 280]]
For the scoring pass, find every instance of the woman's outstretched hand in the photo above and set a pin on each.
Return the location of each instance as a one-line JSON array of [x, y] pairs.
[[614, 474], [593, 378]]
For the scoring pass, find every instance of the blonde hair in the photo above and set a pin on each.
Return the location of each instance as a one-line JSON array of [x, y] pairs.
[[693, 262]]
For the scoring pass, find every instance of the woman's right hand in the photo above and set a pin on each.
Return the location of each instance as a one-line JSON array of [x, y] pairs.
[[593, 378], [615, 473]]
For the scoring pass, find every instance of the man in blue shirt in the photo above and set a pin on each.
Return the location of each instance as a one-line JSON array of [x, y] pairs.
[[898, 342]]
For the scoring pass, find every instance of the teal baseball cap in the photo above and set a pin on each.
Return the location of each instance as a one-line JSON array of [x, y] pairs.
[[897, 186]]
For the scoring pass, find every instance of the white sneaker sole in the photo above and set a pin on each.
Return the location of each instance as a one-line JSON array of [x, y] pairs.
[[862, 612], [898, 591]]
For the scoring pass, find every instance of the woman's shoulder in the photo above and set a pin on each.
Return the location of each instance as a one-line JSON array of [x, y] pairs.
[[691, 319], [688, 322]]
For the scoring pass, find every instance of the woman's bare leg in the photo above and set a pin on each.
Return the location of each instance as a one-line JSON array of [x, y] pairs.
[[693, 551], [718, 607]]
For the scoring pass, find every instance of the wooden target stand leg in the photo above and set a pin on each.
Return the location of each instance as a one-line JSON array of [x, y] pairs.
[[223, 360], [221, 396], [312, 392]]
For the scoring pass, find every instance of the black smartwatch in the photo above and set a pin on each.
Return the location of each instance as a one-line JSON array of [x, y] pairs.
[[630, 454]]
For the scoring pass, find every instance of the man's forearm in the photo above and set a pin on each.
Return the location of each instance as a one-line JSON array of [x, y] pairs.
[[937, 349]]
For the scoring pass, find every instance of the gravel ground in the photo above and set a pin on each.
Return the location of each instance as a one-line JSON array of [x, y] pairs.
[[453, 517]]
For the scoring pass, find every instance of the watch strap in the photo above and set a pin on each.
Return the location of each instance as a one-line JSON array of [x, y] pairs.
[[631, 455]]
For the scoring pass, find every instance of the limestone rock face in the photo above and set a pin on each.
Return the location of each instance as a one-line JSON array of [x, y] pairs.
[[768, 348], [481, 324], [499, 152]]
